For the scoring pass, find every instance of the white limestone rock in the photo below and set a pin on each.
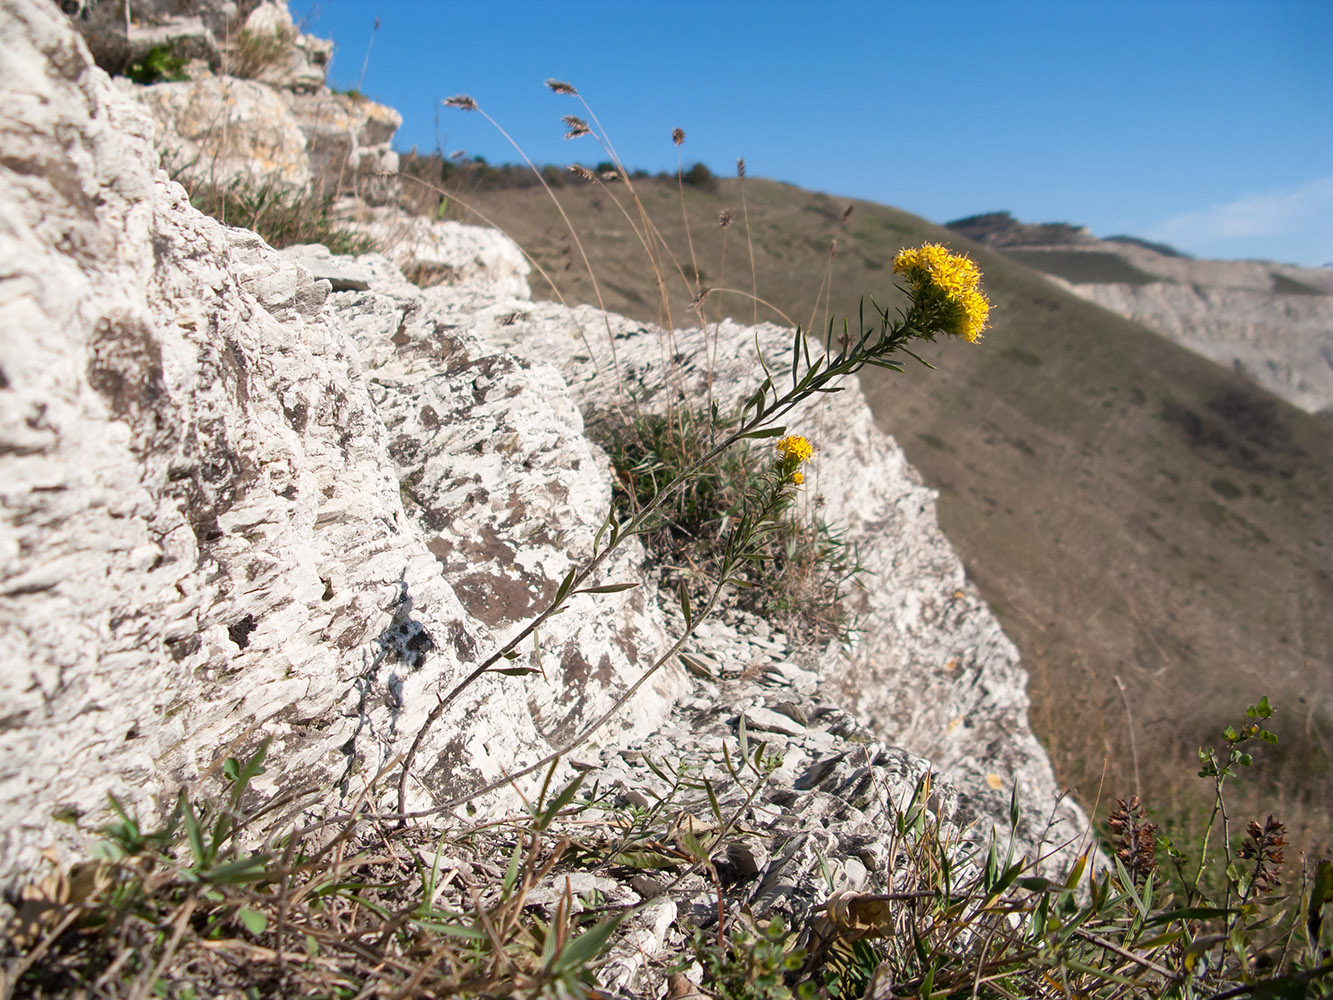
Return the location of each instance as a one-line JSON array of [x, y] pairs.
[[277, 53], [934, 674], [223, 131], [448, 253], [348, 144], [202, 533]]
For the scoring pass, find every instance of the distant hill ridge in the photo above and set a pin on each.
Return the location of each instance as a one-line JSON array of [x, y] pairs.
[[1000, 229], [1271, 322]]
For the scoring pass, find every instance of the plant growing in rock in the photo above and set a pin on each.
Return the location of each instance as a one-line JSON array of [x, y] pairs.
[[160, 64], [253, 52], [281, 215], [803, 580]]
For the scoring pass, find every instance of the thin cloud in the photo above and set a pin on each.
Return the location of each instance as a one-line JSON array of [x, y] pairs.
[[1298, 210]]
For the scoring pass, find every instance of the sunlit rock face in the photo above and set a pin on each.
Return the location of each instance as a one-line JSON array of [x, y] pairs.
[[227, 512], [249, 494]]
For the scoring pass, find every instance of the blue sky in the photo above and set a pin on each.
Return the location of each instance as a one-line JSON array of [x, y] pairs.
[[1204, 123]]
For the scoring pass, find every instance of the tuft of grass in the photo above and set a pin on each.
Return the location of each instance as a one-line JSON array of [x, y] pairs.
[[802, 582], [251, 53], [233, 897], [281, 215]]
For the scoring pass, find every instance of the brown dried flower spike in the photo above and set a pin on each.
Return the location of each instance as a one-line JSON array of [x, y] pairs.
[[560, 87], [1265, 846], [677, 136], [462, 102], [724, 218], [1133, 838]]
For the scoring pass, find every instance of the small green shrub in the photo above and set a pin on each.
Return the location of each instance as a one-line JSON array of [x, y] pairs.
[[751, 963], [799, 584], [159, 64], [699, 176]]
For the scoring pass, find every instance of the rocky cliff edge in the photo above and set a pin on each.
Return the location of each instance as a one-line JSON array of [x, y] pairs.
[[251, 494]]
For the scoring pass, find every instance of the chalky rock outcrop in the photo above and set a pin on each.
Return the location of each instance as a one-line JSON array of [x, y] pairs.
[[932, 672], [250, 494], [203, 534], [1278, 333], [225, 131], [255, 38], [251, 108]]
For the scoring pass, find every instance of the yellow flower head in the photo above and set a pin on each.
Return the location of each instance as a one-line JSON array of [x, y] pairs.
[[797, 447], [935, 272], [797, 478]]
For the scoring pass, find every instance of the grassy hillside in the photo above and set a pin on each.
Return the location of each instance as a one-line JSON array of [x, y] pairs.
[[1153, 531]]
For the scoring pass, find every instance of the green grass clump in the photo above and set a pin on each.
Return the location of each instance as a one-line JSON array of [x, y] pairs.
[[283, 216], [801, 581]]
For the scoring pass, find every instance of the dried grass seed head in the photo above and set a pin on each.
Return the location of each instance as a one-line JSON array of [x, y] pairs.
[[576, 125], [582, 171], [560, 87], [677, 136], [724, 218], [461, 101], [740, 166]]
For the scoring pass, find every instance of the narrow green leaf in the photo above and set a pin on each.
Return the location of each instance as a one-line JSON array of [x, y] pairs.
[[511, 873], [587, 946], [193, 833], [685, 605], [1188, 913], [458, 931], [558, 803], [1076, 873], [606, 523], [609, 588], [712, 801], [766, 432], [1160, 940], [565, 585], [254, 921], [513, 671], [251, 869]]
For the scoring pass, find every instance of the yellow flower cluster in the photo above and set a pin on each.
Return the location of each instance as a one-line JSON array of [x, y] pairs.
[[795, 446], [931, 267], [794, 450]]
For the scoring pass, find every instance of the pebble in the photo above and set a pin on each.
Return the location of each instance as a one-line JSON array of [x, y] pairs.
[[767, 720]]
